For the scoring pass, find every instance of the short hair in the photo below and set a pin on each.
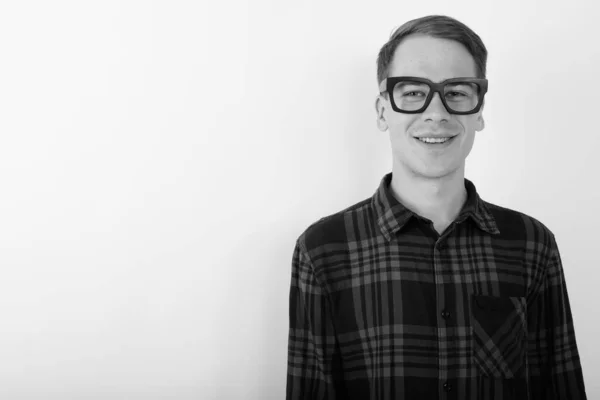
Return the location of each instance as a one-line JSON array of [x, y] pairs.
[[437, 26]]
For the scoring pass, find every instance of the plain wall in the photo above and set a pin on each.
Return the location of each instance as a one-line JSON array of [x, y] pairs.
[[160, 158]]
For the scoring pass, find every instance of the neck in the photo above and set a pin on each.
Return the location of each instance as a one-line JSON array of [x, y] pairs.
[[437, 199]]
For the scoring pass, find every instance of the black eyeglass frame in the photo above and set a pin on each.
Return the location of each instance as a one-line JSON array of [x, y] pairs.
[[387, 85]]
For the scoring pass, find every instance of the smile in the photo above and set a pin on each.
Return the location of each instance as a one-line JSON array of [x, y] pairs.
[[437, 142], [434, 140]]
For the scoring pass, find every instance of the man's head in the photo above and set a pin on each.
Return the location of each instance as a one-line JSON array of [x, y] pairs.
[[435, 48]]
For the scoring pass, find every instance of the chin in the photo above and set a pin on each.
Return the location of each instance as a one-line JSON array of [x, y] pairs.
[[436, 173]]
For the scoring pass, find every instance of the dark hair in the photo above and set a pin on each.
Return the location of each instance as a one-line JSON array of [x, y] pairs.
[[438, 26]]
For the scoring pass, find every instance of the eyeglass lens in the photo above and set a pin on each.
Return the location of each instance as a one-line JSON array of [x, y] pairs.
[[459, 96]]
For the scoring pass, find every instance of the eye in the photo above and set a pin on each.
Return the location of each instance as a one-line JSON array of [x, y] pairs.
[[413, 94], [455, 94]]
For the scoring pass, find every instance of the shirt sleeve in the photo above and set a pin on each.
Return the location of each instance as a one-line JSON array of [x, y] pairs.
[[313, 369], [554, 363]]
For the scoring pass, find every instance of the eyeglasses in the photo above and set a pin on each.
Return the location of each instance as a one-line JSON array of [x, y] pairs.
[[412, 95]]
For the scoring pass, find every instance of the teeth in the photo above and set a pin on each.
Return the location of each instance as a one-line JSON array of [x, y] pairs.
[[434, 140]]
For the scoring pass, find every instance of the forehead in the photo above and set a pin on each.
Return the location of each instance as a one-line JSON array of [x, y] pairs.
[[432, 58]]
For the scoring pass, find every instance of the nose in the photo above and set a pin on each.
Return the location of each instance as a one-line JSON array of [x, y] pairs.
[[436, 111]]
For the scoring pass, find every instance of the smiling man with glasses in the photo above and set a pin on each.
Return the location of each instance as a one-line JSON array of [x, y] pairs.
[[424, 290]]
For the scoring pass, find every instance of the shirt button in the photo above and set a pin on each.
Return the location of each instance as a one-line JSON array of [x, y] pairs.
[[445, 314], [447, 387]]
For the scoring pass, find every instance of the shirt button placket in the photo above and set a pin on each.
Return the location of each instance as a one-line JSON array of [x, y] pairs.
[[445, 315]]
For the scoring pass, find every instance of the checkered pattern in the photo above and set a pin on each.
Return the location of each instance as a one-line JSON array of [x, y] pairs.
[[383, 307]]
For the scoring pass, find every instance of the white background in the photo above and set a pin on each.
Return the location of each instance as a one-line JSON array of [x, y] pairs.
[[158, 160]]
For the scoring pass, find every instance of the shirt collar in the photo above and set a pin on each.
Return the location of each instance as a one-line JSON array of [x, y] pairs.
[[393, 215]]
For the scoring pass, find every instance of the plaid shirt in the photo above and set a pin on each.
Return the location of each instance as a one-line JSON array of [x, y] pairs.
[[383, 307]]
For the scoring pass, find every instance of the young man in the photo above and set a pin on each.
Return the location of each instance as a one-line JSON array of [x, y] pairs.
[[424, 290]]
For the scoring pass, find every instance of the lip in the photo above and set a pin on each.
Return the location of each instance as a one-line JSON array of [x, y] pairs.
[[436, 146], [438, 136]]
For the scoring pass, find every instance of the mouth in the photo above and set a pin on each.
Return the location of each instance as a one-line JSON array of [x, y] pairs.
[[437, 143]]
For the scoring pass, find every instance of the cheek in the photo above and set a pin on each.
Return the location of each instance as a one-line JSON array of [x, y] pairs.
[[400, 124], [468, 123]]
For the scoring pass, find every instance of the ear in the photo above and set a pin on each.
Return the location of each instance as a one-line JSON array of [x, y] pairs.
[[480, 123], [380, 107]]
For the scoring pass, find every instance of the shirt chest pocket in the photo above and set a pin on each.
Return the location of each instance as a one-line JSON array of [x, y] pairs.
[[499, 335]]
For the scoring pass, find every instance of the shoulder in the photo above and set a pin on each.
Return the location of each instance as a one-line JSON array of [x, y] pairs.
[[330, 230], [523, 233], [519, 225]]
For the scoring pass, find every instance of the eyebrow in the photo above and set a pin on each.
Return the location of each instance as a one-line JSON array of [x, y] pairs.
[[409, 82]]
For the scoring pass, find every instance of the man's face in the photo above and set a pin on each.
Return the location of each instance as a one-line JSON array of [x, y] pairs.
[[437, 60]]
